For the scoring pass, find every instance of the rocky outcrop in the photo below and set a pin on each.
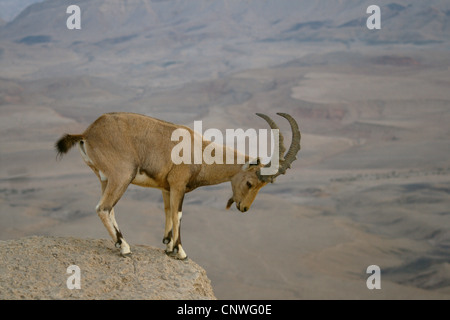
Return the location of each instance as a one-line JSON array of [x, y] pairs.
[[40, 268]]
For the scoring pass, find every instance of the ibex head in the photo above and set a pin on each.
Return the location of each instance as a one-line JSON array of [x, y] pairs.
[[247, 183]]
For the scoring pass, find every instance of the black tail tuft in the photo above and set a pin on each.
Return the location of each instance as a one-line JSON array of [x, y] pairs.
[[64, 144]]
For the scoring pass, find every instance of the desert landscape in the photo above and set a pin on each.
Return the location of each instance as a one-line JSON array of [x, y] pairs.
[[372, 182]]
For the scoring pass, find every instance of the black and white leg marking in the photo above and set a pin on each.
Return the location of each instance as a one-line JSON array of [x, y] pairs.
[[167, 239], [172, 240], [178, 251], [121, 243], [111, 193]]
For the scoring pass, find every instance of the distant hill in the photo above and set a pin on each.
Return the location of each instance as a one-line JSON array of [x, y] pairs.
[[110, 22], [172, 42], [9, 9]]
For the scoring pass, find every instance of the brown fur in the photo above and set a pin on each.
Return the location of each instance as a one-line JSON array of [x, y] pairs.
[[126, 147]]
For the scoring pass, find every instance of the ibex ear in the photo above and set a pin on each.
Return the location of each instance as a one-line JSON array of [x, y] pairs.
[[252, 164]]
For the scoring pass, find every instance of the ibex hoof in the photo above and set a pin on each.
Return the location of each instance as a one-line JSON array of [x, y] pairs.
[[117, 245], [126, 255], [178, 256], [177, 253], [166, 240]]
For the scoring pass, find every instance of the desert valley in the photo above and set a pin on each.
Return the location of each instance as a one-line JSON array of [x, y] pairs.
[[372, 182]]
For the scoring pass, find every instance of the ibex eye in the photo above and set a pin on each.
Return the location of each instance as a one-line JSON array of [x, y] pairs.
[[249, 185]]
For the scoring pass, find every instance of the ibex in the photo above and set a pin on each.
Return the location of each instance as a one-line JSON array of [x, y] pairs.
[[123, 148]]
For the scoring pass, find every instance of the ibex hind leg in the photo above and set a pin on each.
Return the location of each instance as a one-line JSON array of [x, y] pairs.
[[120, 242], [111, 193]]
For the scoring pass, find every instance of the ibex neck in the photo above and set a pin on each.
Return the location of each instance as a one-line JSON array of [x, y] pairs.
[[215, 173]]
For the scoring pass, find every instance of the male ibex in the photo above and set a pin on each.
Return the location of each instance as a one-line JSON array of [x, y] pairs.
[[124, 148]]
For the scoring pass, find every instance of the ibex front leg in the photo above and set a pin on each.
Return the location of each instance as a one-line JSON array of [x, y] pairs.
[[172, 235], [167, 239]]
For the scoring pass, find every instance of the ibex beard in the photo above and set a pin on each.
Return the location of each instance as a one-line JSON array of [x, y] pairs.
[[127, 148]]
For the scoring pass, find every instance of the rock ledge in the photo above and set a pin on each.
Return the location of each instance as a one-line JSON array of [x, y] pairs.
[[36, 268]]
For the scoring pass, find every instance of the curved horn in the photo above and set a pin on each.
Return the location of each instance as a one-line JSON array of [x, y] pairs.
[[274, 126], [291, 155], [294, 148]]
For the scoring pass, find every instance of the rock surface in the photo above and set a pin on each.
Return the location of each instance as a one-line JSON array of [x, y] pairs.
[[36, 268]]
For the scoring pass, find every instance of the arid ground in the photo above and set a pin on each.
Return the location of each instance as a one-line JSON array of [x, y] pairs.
[[372, 182]]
